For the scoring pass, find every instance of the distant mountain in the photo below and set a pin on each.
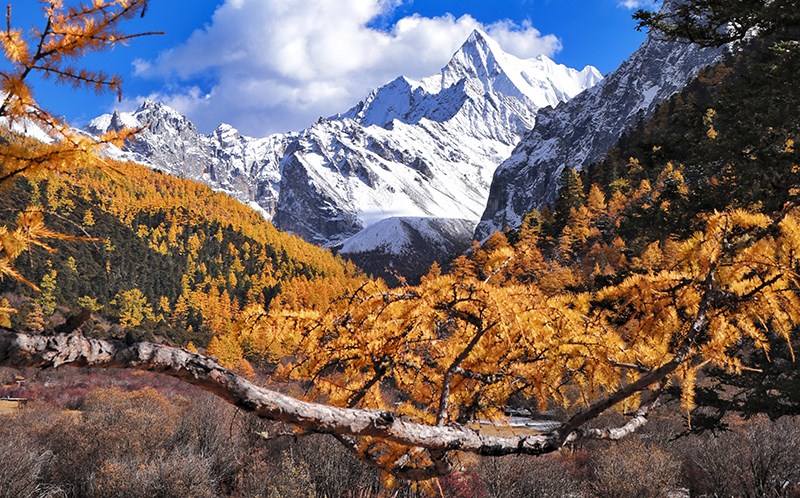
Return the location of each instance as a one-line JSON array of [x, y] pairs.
[[581, 132], [411, 149], [244, 167], [407, 246]]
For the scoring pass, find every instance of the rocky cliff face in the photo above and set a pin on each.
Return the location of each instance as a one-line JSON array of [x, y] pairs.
[[582, 131], [246, 168]]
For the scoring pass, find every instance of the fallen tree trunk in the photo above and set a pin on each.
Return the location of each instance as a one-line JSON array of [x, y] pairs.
[[39, 351], [18, 349]]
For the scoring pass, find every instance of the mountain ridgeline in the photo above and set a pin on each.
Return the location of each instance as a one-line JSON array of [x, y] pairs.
[[423, 148]]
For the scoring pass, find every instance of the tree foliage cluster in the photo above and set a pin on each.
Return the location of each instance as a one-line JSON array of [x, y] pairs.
[[719, 22], [170, 256], [743, 113]]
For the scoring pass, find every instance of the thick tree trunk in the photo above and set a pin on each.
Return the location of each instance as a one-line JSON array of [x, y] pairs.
[[45, 351], [17, 349]]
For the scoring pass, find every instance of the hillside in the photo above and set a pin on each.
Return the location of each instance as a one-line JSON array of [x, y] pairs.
[[196, 256], [580, 132]]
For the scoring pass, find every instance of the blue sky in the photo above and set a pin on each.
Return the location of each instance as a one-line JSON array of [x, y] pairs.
[[276, 65]]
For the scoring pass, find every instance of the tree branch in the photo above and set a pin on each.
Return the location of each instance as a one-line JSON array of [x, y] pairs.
[[17, 349], [616, 433], [682, 353]]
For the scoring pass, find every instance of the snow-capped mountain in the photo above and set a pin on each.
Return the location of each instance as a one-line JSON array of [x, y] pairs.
[[419, 148], [247, 168], [423, 148], [407, 246], [581, 132]]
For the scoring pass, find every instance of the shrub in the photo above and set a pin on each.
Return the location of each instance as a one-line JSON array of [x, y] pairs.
[[634, 468], [756, 458]]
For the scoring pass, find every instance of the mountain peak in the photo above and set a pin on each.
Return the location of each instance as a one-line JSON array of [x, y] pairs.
[[540, 80], [148, 104], [479, 37], [477, 48], [478, 56]]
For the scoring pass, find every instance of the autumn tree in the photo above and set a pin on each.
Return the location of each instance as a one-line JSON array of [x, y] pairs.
[[69, 33], [133, 308]]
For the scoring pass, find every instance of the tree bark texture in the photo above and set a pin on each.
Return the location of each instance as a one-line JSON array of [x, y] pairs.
[[17, 349]]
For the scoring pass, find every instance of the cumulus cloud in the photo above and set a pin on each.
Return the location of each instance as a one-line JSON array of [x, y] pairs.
[[640, 4], [277, 65]]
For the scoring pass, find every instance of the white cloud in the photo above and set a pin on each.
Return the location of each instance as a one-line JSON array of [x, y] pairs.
[[277, 65], [640, 4]]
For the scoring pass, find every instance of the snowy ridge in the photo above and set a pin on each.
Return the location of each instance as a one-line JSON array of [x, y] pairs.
[[407, 246], [395, 235], [411, 149], [246, 168], [539, 82], [583, 130]]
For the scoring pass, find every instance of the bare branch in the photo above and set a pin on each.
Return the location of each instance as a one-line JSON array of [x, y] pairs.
[[616, 433]]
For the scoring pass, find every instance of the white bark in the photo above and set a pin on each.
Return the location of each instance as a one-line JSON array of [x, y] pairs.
[[45, 351], [39, 351]]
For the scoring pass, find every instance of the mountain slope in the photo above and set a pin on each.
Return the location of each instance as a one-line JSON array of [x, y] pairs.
[[582, 131], [412, 148], [244, 167], [195, 257], [407, 246]]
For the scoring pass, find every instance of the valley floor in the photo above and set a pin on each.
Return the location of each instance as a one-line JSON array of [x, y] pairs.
[[135, 435]]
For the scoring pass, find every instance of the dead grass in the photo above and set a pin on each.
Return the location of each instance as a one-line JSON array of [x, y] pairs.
[[8, 407]]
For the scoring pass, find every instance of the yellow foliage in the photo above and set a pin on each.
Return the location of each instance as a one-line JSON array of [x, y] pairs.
[[458, 346], [133, 308], [226, 350], [69, 34], [5, 313]]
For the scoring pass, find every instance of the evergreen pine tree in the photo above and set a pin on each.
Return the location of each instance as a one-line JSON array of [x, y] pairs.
[[570, 196]]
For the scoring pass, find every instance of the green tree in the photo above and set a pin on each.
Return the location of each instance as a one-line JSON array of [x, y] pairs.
[[46, 300], [570, 196], [717, 22], [133, 308]]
